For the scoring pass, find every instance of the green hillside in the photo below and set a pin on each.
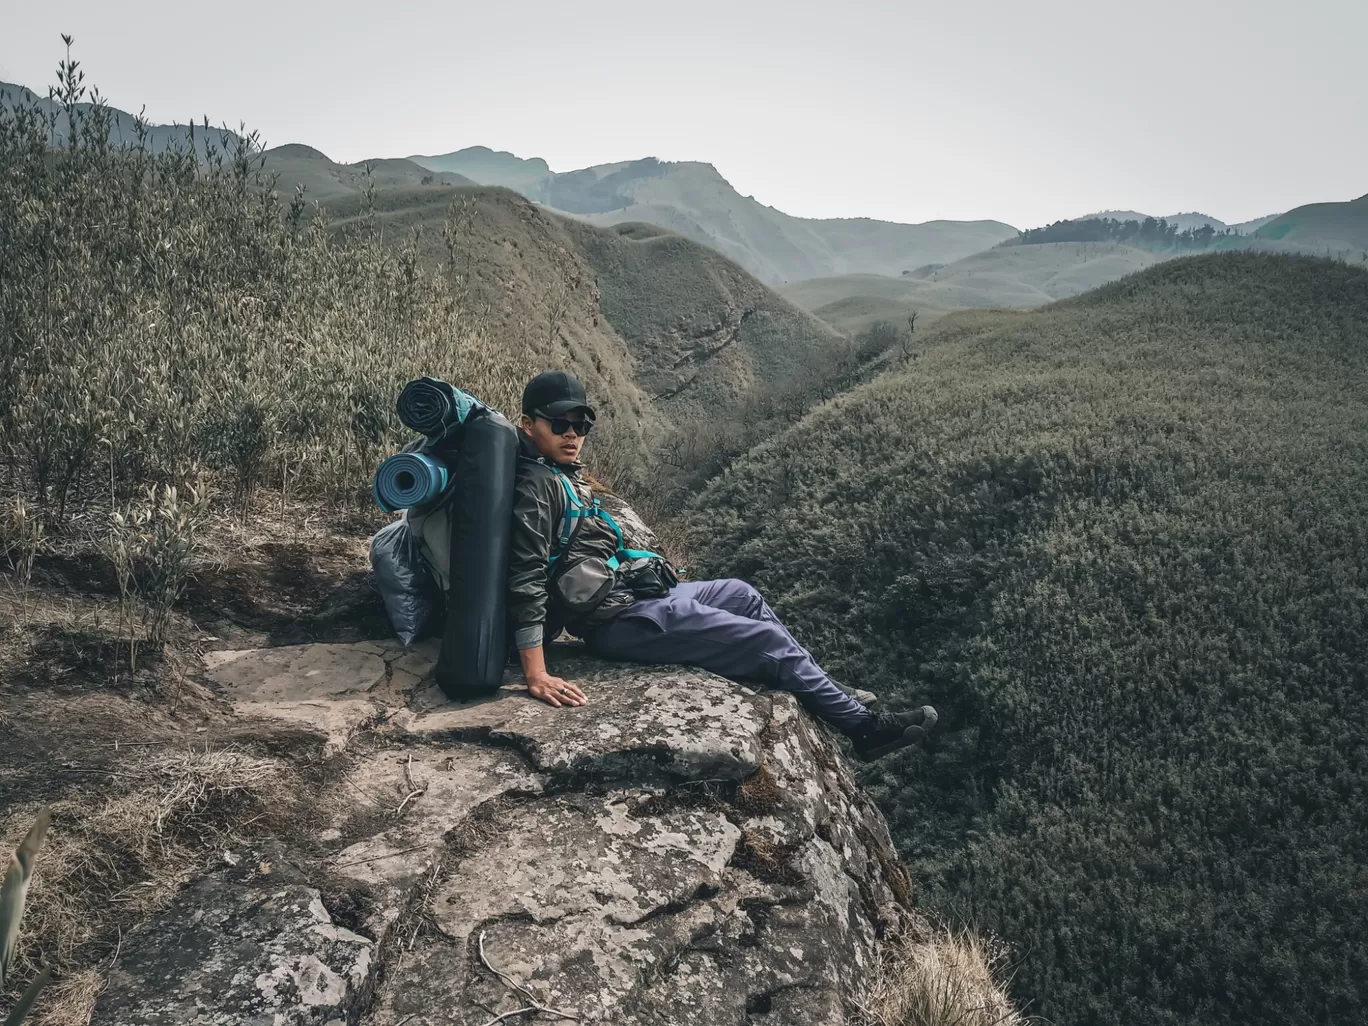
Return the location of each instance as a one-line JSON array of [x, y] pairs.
[[1016, 277], [1122, 544], [302, 318], [1330, 229]]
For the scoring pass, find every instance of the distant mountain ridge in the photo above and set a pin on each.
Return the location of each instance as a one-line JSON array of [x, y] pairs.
[[122, 126], [489, 167], [693, 199], [1185, 222]]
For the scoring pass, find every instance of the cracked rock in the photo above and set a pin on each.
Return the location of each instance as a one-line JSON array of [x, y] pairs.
[[235, 951], [682, 850]]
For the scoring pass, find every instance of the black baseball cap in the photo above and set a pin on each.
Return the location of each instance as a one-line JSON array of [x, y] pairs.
[[553, 393]]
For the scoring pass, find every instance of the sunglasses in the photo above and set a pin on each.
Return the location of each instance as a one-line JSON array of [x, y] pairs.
[[560, 425]]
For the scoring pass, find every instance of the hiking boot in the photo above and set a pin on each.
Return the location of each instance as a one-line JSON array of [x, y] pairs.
[[859, 694], [891, 731]]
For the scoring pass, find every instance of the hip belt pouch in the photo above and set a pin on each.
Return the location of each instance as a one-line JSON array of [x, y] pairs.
[[583, 585]]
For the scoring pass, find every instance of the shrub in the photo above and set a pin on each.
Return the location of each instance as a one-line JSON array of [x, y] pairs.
[[877, 339], [152, 545], [164, 315]]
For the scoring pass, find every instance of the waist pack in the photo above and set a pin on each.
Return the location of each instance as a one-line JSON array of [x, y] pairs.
[[649, 577], [583, 585], [586, 583]]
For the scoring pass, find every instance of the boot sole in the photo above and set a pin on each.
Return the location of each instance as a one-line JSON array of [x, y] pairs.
[[909, 737]]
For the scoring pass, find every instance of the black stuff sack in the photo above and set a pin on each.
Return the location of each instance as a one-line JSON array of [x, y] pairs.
[[412, 598]]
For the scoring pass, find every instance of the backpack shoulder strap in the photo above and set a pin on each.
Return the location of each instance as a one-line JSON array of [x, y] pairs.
[[623, 551], [575, 511]]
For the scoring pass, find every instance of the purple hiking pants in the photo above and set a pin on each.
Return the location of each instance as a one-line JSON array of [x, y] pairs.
[[727, 628]]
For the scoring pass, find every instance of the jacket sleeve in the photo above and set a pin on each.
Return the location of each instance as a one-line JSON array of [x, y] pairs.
[[535, 523]]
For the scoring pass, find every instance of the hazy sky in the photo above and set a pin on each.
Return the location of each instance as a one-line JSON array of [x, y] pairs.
[[1023, 112]]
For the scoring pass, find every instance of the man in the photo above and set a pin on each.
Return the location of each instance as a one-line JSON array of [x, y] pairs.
[[565, 573]]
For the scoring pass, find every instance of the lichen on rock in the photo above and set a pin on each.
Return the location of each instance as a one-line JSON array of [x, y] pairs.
[[681, 850]]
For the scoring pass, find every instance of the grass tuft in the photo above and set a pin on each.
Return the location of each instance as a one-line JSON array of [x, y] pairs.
[[954, 979]]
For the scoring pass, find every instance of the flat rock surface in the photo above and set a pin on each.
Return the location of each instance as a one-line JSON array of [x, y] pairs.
[[332, 689], [682, 850], [297, 672], [678, 721]]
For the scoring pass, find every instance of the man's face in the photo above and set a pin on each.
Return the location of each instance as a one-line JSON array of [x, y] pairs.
[[561, 447]]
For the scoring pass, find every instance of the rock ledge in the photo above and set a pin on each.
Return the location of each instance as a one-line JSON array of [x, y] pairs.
[[682, 850]]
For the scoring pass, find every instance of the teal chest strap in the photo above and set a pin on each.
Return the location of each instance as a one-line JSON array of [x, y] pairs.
[[575, 511]]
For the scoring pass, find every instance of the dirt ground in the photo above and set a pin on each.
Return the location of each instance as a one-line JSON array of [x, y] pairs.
[[148, 773]]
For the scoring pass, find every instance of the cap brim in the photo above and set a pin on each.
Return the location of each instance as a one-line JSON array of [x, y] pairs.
[[566, 406]]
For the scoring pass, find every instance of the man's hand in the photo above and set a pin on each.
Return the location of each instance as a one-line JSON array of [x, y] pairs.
[[555, 691]]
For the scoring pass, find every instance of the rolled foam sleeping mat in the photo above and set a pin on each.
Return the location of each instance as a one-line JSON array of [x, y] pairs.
[[408, 479], [431, 407], [475, 636]]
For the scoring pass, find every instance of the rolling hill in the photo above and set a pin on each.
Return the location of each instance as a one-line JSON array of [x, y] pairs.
[[122, 127], [1332, 229], [326, 180], [294, 163], [1017, 277], [1120, 543], [662, 328]]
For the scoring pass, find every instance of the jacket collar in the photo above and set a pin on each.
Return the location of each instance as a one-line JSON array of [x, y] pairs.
[[528, 450]]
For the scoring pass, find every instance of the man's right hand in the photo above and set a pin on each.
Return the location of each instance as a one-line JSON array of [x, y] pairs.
[[555, 691]]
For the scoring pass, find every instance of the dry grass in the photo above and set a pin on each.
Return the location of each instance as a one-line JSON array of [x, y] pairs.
[[760, 791], [70, 1001], [114, 859], [765, 860], [955, 978]]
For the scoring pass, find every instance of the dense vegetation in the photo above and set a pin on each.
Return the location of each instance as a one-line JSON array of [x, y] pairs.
[[1122, 543], [161, 317], [1151, 233]]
